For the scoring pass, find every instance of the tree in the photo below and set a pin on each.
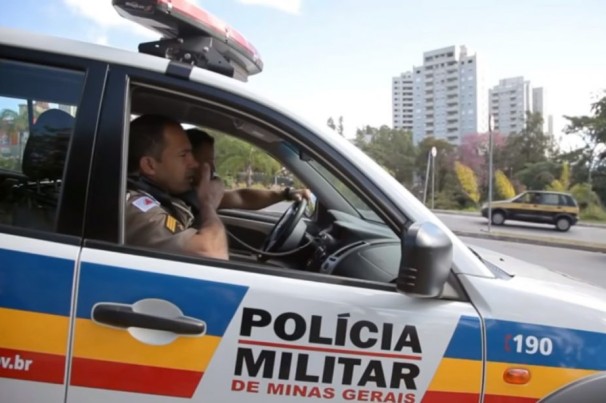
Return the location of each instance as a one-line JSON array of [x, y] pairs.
[[467, 180], [599, 181], [538, 175], [503, 185], [445, 157], [331, 123], [584, 195], [390, 148], [563, 183], [338, 128], [529, 146], [235, 156], [473, 152], [13, 122], [592, 130]]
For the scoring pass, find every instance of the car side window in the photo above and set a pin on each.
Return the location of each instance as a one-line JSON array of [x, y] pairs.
[[38, 107], [525, 198], [550, 199], [243, 165], [566, 201]]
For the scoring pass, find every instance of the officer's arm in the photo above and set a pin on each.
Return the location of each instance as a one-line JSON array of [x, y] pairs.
[[250, 199], [256, 199], [210, 240]]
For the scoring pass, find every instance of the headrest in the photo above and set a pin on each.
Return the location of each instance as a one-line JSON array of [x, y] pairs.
[[46, 148]]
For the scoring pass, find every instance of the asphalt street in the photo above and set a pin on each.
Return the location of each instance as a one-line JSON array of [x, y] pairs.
[[477, 226]]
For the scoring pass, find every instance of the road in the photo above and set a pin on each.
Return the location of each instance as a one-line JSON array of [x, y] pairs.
[[589, 267], [478, 224]]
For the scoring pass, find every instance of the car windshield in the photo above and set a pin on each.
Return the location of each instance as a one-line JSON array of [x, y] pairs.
[[358, 204]]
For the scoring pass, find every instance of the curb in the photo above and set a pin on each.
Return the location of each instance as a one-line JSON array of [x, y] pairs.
[[477, 214], [499, 236]]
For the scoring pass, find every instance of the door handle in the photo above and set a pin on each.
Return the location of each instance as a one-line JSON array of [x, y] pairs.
[[123, 316]]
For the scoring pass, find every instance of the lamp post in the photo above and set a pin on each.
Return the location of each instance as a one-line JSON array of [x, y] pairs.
[[431, 155], [434, 152], [489, 172]]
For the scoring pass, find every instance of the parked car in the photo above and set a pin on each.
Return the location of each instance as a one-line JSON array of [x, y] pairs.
[[370, 298], [536, 206]]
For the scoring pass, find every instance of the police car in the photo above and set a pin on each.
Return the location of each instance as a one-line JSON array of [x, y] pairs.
[[369, 298]]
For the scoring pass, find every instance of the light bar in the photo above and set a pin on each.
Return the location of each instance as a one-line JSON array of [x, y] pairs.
[[181, 22]]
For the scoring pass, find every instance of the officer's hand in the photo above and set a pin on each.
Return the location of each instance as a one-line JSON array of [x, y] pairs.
[[298, 194], [209, 190]]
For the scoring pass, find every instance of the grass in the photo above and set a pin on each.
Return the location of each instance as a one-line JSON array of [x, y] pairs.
[[593, 213]]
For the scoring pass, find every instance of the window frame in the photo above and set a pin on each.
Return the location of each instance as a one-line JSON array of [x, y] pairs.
[[105, 204], [69, 224]]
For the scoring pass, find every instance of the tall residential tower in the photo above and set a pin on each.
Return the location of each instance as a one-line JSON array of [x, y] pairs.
[[509, 102], [448, 99]]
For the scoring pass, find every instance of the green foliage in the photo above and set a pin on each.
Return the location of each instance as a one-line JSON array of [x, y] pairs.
[[331, 123], [565, 175], [503, 186], [10, 163], [593, 212], [584, 195], [447, 200], [529, 146], [562, 184], [390, 148], [592, 131], [598, 181], [538, 175], [467, 180], [338, 128], [445, 157], [593, 127], [556, 185], [235, 156]]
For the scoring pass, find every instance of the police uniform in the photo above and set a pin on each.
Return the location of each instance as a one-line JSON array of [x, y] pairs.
[[153, 224]]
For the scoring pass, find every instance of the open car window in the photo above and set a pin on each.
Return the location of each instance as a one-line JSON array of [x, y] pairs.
[[254, 154]]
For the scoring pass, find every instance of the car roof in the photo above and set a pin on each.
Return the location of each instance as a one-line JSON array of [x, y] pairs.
[[548, 191], [70, 47]]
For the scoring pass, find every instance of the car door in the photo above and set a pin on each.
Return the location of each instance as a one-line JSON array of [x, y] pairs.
[[47, 104], [157, 326], [524, 206]]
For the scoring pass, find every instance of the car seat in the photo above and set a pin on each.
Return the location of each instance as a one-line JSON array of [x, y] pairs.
[[43, 163]]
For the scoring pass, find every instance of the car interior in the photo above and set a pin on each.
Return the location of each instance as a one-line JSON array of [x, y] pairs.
[[33, 160], [342, 228]]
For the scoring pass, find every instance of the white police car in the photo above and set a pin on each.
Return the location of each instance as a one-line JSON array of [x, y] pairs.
[[370, 299]]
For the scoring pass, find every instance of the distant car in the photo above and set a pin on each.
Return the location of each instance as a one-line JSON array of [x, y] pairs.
[[545, 207]]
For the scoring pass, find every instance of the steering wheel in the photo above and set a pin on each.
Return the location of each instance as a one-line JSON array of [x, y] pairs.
[[285, 226]]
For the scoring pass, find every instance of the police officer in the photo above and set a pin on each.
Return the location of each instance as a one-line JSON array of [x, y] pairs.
[[161, 165]]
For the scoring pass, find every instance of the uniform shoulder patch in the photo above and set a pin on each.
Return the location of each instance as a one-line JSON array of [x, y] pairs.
[[145, 203], [171, 224]]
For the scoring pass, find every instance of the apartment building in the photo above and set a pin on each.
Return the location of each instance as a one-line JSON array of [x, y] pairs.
[[447, 96], [509, 102]]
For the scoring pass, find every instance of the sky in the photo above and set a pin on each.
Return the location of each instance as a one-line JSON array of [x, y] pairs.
[[331, 58]]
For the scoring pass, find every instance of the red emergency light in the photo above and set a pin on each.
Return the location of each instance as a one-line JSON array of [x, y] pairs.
[[192, 35]]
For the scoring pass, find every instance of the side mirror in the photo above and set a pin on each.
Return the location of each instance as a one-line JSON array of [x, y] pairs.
[[426, 261]]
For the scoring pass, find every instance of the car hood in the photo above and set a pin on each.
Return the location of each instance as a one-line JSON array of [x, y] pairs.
[[524, 290], [512, 266]]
